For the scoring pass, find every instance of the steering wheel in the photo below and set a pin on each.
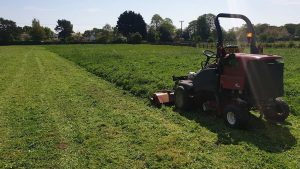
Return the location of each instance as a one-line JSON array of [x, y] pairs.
[[209, 54]]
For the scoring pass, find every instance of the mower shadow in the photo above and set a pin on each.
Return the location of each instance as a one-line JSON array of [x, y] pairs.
[[270, 137]]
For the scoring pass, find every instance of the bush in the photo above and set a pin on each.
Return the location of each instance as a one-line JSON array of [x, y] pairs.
[[291, 44], [135, 38], [104, 39], [119, 39], [280, 45]]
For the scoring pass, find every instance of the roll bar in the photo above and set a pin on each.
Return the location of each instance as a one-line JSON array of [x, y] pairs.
[[253, 48]]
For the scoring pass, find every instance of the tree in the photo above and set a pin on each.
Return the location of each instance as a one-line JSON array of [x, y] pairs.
[[37, 32], [291, 28], [210, 19], [186, 34], [261, 28], [27, 29], [105, 35], [135, 38], [168, 20], [203, 28], [230, 36], [192, 30], [129, 22], [166, 31], [107, 28], [49, 34], [64, 29], [76, 37], [156, 21], [297, 30], [8, 31], [153, 34], [178, 35], [118, 37]]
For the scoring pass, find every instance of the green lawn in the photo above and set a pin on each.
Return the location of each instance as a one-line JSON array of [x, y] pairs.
[[143, 69], [54, 114]]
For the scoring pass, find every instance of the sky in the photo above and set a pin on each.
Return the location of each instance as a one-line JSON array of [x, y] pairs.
[[87, 14]]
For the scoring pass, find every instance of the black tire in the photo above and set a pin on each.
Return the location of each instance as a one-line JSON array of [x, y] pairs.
[[279, 112], [182, 100], [236, 116]]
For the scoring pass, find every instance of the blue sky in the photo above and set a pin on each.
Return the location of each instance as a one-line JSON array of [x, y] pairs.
[[88, 14]]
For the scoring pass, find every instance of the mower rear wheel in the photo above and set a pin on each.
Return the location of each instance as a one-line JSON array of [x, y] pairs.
[[236, 116], [182, 100], [279, 112]]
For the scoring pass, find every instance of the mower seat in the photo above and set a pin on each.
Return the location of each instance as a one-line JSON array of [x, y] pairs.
[[206, 79]]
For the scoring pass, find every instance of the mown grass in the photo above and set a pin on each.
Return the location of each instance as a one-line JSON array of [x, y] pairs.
[[54, 114], [143, 69]]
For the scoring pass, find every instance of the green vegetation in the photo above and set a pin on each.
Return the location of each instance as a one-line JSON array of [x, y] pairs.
[[54, 114], [140, 69], [131, 28], [144, 69]]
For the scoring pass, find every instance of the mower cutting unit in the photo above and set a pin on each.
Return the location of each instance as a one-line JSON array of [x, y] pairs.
[[234, 84]]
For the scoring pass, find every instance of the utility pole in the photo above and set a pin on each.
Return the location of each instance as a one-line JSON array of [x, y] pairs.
[[181, 27]]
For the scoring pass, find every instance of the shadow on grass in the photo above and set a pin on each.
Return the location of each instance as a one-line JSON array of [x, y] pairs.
[[270, 137]]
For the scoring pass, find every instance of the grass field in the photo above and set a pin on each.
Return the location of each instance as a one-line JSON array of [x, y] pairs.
[[55, 114], [144, 69]]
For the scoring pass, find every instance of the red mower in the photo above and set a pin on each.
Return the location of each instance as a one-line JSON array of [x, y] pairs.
[[233, 84]]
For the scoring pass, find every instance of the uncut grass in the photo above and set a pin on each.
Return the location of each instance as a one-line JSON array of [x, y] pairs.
[[140, 69], [144, 69]]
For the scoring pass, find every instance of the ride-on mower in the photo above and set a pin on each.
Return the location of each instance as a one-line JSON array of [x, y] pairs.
[[233, 84]]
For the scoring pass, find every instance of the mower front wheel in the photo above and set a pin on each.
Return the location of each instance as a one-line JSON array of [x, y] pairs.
[[182, 100], [236, 116]]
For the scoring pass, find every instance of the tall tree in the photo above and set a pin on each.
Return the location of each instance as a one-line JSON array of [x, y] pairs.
[[297, 31], [129, 22], [153, 34], [37, 31], [107, 27], [27, 29], [291, 28], [105, 34], [8, 30], [48, 33], [64, 29], [156, 21], [168, 20], [210, 19], [167, 31], [203, 28]]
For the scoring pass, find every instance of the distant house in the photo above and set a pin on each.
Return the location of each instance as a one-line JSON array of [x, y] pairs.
[[90, 38], [55, 36], [25, 37]]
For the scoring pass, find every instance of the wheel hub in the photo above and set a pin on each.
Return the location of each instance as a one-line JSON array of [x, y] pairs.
[[231, 118]]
